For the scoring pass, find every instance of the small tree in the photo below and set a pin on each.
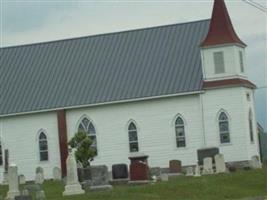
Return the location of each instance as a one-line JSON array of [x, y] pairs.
[[84, 153]]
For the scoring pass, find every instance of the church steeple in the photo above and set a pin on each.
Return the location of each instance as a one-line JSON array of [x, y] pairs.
[[221, 30], [222, 52]]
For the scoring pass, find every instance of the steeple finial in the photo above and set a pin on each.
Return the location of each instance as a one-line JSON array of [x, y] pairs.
[[221, 30]]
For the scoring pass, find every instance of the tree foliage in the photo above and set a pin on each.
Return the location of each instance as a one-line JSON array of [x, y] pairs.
[[84, 152]]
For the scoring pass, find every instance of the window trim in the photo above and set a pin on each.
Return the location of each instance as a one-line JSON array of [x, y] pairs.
[[38, 145], [218, 127], [128, 136], [185, 131]]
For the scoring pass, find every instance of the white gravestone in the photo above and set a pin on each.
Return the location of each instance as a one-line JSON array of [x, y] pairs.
[[207, 166], [164, 177], [39, 175], [13, 182], [255, 162], [39, 178], [56, 174], [197, 171], [22, 179], [189, 171], [73, 186], [220, 163]]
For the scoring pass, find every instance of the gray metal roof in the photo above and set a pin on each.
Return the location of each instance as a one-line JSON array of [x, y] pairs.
[[111, 67]]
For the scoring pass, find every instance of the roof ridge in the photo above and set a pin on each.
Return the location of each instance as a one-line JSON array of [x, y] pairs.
[[102, 34]]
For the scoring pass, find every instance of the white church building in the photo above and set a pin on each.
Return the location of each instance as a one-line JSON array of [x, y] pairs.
[[164, 91]]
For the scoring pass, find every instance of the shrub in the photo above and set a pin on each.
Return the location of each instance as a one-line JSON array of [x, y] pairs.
[[84, 152]]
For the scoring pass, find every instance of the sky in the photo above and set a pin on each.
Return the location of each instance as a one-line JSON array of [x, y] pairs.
[[32, 21]]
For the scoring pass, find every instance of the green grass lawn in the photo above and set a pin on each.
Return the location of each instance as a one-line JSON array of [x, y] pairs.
[[236, 185]]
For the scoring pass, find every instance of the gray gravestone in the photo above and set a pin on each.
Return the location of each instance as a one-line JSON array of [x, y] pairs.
[[197, 171], [13, 182], [39, 175], [100, 177], [39, 178], [255, 162], [39, 170], [189, 171], [206, 152], [207, 166], [220, 163], [33, 188], [155, 171], [56, 174], [22, 179], [119, 171], [72, 186]]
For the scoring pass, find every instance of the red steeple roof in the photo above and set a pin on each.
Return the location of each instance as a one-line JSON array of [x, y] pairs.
[[221, 30]]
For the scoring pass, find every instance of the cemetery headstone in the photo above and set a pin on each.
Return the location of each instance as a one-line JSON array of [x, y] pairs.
[[22, 179], [207, 152], [73, 186], [100, 177], [255, 162], [220, 163], [13, 182], [33, 188], [175, 166], [84, 174], [164, 177], [120, 171], [39, 175], [189, 171], [139, 170], [207, 166], [155, 171], [197, 171], [56, 174], [39, 170], [39, 178]]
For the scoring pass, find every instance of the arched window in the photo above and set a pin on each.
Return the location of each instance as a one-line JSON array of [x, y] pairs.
[[87, 126], [43, 147], [224, 128], [1, 154], [180, 132], [250, 119], [133, 138]]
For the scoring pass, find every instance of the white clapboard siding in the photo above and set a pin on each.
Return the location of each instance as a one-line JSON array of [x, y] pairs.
[[155, 124]]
